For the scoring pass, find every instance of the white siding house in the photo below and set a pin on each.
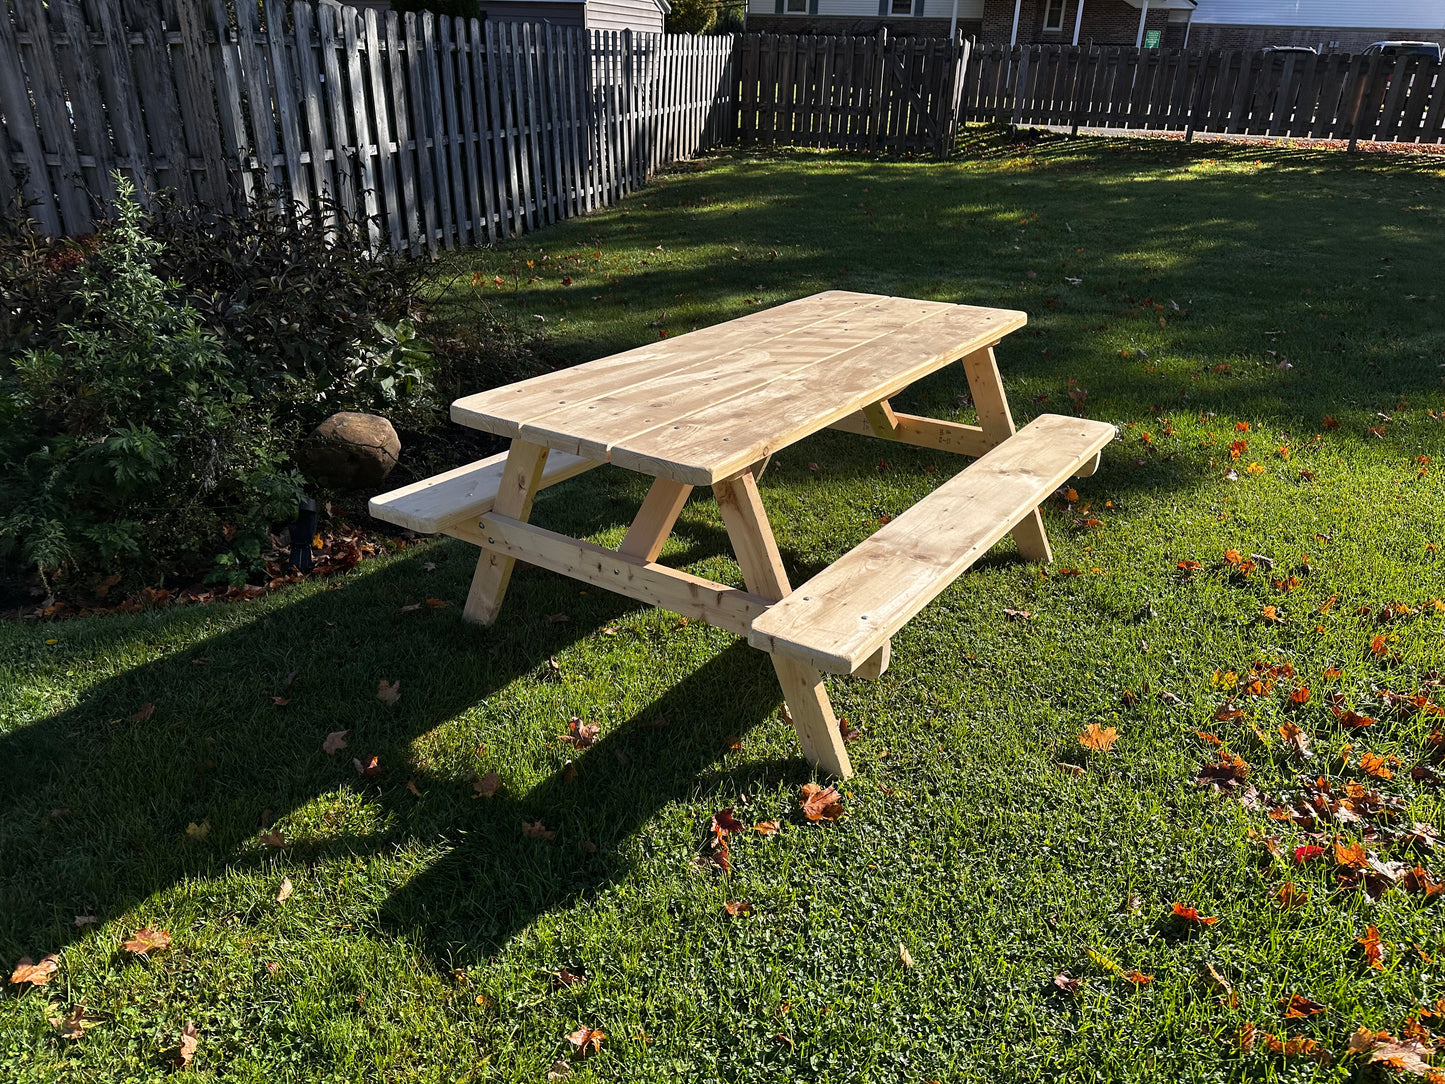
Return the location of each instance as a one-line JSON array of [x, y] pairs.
[[1342, 25]]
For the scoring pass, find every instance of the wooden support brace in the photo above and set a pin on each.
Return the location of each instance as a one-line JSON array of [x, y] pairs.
[[762, 567], [659, 511], [521, 478], [986, 386]]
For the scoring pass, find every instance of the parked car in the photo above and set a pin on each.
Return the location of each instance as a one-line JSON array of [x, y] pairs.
[[1290, 49], [1404, 48]]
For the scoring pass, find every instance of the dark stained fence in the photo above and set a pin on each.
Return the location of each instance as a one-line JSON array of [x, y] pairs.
[[859, 93], [1331, 96], [437, 131]]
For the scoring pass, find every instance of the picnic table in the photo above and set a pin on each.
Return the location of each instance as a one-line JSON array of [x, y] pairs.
[[709, 408]]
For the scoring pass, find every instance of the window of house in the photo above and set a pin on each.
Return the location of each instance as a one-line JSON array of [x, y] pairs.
[[1054, 15], [900, 7], [796, 7]]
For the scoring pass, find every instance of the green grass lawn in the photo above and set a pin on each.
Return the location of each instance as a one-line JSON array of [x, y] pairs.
[[1286, 301]]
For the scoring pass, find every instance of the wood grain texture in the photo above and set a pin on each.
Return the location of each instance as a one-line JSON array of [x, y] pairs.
[[848, 611]]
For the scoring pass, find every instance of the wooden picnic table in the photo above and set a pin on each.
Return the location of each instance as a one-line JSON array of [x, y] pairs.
[[709, 408]]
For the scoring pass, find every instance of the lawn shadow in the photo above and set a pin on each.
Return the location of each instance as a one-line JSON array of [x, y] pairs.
[[224, 732]]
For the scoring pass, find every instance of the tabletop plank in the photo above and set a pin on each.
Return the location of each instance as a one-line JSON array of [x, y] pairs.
[[702, 406], [724, 437], [742, 376], [504, 410]]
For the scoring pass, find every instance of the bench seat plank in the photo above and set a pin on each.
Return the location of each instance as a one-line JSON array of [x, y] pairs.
[[434, 504], [847, 612]]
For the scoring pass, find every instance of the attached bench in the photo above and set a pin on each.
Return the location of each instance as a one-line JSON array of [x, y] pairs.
[[846, 615], [457, 498]]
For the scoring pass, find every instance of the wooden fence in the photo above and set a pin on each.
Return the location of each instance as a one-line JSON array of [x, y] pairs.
[[437, 131], [1333, 96], [873, 94]]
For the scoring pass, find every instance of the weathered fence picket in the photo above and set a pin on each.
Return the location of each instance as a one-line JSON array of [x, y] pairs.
[[441, 132]]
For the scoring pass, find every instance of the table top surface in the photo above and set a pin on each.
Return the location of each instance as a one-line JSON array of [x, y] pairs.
[[703, 406]]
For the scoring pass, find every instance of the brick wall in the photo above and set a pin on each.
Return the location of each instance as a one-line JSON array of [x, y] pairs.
[[1106, 22], [848, 24], [1352, 40]]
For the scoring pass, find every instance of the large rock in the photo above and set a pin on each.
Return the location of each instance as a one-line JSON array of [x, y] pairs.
[[350, 451]]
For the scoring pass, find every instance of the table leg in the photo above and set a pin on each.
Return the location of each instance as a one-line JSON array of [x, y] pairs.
[[655, 518], [762, 566], [986, 387], [521, 479]]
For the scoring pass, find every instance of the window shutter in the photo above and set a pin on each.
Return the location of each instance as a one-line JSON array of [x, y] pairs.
[[778, 7], [918, 7], [812, 7], [882, 9]]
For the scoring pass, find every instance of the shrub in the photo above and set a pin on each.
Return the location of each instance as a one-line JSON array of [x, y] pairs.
[[300, 292], [133, 434]]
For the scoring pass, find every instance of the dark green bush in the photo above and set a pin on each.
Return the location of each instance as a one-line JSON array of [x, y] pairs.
[[302, 295], [130, 437]]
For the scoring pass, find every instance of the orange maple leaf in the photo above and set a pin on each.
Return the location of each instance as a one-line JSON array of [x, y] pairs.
[[1351, 855], [1138, 978], [821, 803], [766, 828], [1189, 914], [737, 908], [1379, 646], [1299, 1007], [1098, 738], [1374, 764], [579, 734], [1232, 557], [1270, 615], [1374, 951], [1296, 737]]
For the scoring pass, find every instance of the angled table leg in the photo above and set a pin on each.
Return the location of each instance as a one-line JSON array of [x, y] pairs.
[[762, 565], [986, 386], [521, 478], [659, 511]]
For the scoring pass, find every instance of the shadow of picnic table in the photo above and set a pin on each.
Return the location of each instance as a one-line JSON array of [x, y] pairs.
[[180, 727]]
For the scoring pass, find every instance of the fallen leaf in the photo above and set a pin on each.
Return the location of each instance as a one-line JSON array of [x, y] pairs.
[[280, 701], [144, 712], [848, 733], [724, 823], [1299, 1007], [411, 786], [1351, 855], [904, 956], [487, 785], [273, 839], [1098, 738], [1017, 615], [1373, 764], [1417, 881], [579, 734], [335, 742], [1138, 978], [1306, 853], [284, 893], [766, 828], [1373, 949], [537, 830], [1405, 1055], [198, 832], [1067, 983], [388, 692], [1296, 738], [1189, 914], [1289, 897], [367, 767], [86, 920], [737, 908], [559, 1070], [147, 940], [188, 1045], [567, 977], [821, 803], [586, 1041], [72, 1025], [27, 970]]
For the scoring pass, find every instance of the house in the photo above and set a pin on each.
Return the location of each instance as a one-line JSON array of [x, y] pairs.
[[642, 15], [1112, 22], [1328, 25], [1339, 25]]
